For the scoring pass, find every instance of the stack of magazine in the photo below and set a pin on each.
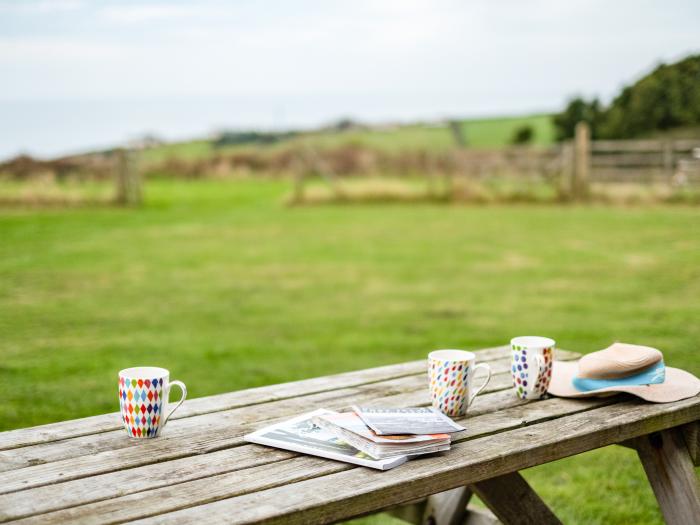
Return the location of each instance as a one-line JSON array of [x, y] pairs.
[[380, 438]]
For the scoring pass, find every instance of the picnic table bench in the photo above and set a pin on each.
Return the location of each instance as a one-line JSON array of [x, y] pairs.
[[201, 469]]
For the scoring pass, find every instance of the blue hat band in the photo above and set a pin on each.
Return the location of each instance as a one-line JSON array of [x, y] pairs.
[[652, 375]]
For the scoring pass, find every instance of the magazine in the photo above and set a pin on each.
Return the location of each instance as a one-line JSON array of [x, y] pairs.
[[420, 420], [301, 434], [350, 428]]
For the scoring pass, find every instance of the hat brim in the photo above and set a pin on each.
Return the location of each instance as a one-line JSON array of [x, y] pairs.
[[678, 385]]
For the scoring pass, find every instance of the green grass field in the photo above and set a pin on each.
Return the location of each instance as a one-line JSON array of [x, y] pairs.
[[479, 133], [228, 288]]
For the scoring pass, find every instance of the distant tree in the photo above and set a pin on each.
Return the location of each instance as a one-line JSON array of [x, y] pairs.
[[576, 111], [523, 135], [344, 124], [230, 138], [666, 98]]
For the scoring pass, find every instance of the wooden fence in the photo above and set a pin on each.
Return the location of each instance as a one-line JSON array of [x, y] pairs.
[[666, 162], [572, 166]]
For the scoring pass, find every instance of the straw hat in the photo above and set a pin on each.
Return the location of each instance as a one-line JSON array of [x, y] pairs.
[[638, 370]]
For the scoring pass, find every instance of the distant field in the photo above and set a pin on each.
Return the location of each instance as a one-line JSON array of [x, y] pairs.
[[229, 289], [480, 133]]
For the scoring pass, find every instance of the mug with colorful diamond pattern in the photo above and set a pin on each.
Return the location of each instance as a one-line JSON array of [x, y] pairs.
[[531, 365], [143, 399], [451, 374]]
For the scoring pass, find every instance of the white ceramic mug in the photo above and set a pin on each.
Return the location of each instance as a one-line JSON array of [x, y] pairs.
[[451, 374], [143, 399], [531, 365]]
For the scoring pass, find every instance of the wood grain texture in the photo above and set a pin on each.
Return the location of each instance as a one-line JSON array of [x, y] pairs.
[[513, 501], [691, 433], [671, 474], [476, 516], [153, 454], [200, 429], [207, 423], [447, 508], [107, 466], [101, 489], [410, 512], [196, 428], [205, 405], [359, 491]]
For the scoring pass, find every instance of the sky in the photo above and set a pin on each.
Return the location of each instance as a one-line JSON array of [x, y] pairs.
[[77, 74]]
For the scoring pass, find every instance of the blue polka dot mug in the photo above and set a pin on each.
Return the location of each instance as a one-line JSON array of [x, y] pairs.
[[531, 365]]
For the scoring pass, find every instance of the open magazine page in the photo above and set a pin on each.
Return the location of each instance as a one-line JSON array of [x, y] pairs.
[[300, 434], [419, 420], [352, 422]]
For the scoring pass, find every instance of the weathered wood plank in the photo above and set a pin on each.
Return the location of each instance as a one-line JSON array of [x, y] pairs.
[[53, 491], [626, 145], [205, 405], [410, 512], [152, 502], [418, 513], [124, 509], [228, 432], [513, 501], [476, 516], [671, 474], [208, 423], [359, 491], [447, 508], [691, 433], [192, 427], [629, 160], [205, 424]]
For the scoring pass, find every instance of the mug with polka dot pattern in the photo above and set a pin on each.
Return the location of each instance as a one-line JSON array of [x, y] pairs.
[[531, 365], [451, 375]]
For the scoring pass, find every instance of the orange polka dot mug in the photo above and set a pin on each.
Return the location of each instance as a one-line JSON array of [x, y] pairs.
[[143, 400], [451, 375]]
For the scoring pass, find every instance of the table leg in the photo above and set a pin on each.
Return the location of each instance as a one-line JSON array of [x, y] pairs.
[[670, 471], [447, 508], [512, 500], [691, 433]]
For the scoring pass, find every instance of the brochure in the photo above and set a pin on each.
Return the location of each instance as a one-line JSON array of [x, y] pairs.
[[420, 420], [301, 434], [350, 428]]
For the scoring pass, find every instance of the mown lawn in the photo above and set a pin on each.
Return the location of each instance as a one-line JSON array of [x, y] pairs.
[[228, 288]]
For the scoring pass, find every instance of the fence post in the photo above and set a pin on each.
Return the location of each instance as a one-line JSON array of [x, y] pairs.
[[565, 164], [128, 179], [298, 180], [582, 161], [668, 161], [458, 133]]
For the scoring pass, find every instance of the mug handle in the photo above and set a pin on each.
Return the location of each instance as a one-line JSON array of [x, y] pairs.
[[182, 399], [488, 378], [540, 367]]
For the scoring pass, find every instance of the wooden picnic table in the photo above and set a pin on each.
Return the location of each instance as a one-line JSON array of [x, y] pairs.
[[201, 470]]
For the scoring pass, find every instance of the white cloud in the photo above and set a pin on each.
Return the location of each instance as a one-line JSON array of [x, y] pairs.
[[40, 6], [148, 12], [42, 51]]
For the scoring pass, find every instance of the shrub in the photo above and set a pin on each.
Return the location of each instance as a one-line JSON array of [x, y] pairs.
[[666, 98], [523, 135]]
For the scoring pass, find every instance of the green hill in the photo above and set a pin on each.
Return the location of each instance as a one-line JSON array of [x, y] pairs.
[[479, 133]]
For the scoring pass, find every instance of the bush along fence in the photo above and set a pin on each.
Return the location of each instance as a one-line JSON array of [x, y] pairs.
[[569, 171], [128, 179], [113, 177], [572, 168]]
